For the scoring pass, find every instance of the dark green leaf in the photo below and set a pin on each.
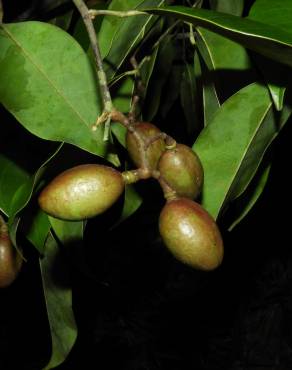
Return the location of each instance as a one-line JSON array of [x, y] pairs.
[[24, 193], [210, 98], [11, 178], [172, 89], [67, 231], [227, 61], [48, 84], [234, 7], [38, 230], [159, 77], [270, 41], [120, 133], [122, 93], [188, 95], [119, 36], [251, 195], [58, 296], [276, 13], [132, 202], [231, 147]]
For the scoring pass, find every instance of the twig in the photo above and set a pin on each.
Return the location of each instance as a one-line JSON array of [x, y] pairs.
[[105, 93]]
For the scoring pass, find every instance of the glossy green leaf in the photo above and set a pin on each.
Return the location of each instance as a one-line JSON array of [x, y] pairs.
[[39, 227], [221, 53], [120, 132], [227, 61], [67, 231], [234, 7], [276, 13], [11, 178], [119, 36], [48, 84], [24, 193], [20, 200], [210, 97], [251, 195], [228, 69], [270, 41], [231, 147], [58, 296]]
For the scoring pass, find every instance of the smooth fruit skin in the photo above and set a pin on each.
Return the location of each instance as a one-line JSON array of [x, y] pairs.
[[82, 192], [191, 234], [10, 260], [147, 131], [181, 168]]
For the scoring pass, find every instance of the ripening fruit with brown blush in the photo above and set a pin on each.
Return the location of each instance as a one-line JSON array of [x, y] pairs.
[[82, 192], [147, 131], [181, 168], [10, 259], [191, 234]]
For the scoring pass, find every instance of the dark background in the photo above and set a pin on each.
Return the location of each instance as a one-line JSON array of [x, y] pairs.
[[146, 311]]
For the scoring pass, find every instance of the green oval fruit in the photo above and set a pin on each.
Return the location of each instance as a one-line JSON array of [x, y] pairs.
[[181, 168], [82, 192], [191, 234], [147, 131], [10, 259]]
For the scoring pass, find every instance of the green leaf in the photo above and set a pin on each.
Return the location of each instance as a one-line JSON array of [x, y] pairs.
[[58, 296], [221, 53], [159, 77], [172, 90], [234, 7], [24, 193], [270, 41], [251, 195], [11, 178], [188, 96], [276, 13], [122, 93], [67, 231], [131, 203], [20, 200], [119, 36], [210, 98], [120, 133], [38, 230], [231, 147], [48, 84], [227, 61]]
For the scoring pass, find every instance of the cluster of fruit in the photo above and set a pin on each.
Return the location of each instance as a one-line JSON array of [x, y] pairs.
[[187, 230]]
